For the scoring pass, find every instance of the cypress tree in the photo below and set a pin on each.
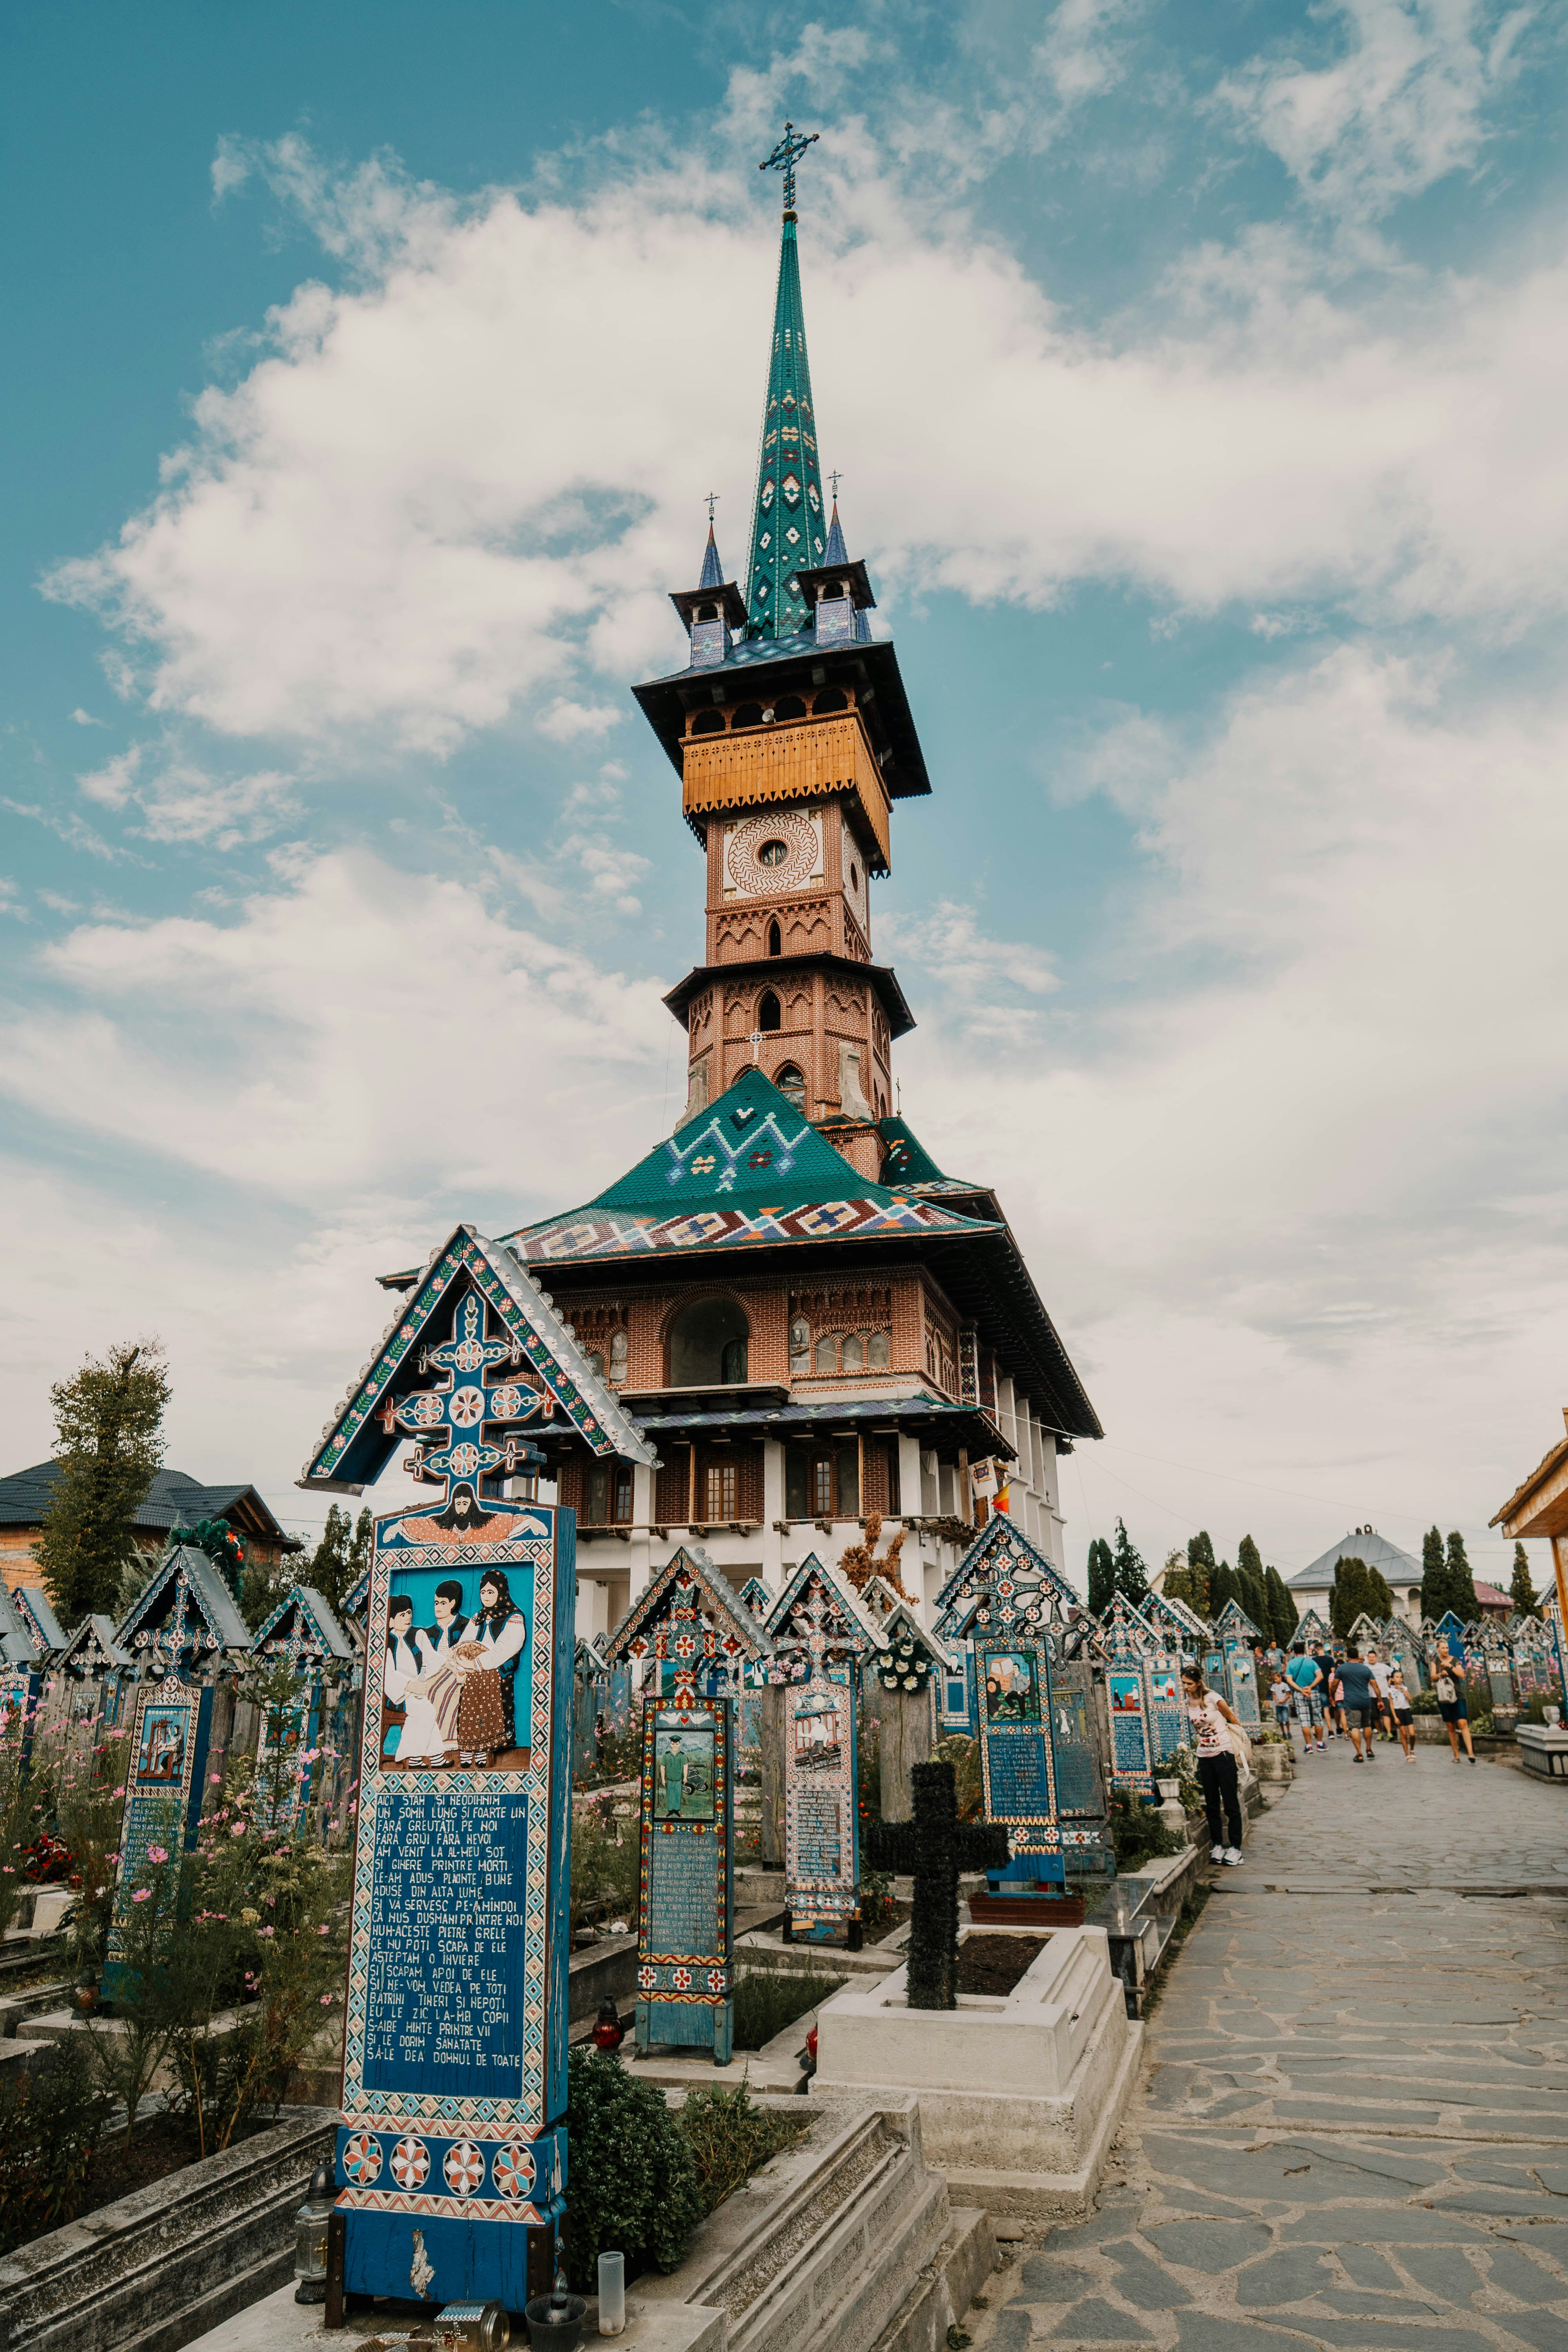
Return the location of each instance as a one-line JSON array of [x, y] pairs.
[[1254, 1591], [1130, 1574], [1283, 1614], [1461, 1583], [1200, 1571], [1434, 1576], [1521, 1590], [1102, 1576], [1358, 1591], [109, 1434], [1223, 1586]]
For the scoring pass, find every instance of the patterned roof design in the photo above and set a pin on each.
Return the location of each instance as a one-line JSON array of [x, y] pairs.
[[788, 527], [850, 1631], [93, 1649], [747, 1169], [186, 1590], [712, 569], [19, 1645], [355, 1444], [689, 1579], [303, 1624], [33, 1607], [1003, 1582]]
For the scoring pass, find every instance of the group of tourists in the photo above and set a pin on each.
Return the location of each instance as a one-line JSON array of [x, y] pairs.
[[1329, 1695]]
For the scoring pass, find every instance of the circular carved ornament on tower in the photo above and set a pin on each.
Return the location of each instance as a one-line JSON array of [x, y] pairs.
[[750, 870]]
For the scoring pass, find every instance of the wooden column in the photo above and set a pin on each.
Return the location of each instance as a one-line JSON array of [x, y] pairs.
[[907, 1739]]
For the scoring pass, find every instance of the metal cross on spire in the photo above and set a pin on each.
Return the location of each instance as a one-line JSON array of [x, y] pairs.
[[784, 157], [713, 498]]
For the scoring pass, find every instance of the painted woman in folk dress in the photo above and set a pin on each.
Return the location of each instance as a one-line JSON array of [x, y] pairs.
[[493, 1644]]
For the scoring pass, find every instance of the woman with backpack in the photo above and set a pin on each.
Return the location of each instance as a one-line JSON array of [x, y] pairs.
[[1452, 1704], [1211, 1719]]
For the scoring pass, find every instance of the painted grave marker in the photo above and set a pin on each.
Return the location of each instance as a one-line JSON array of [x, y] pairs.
[[171, 1722], [822, 1638], [687, 1625], [452, 2145]]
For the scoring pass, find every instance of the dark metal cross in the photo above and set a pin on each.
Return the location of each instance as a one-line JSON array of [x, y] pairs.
[[785, 156], [713, 497]]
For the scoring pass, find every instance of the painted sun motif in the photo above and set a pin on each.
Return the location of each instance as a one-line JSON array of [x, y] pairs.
[[463, 2167], [512, 2170], [411, 2164], [361, 2159]]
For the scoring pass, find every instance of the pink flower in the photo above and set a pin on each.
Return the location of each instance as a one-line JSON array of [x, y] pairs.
[[238, 1830], [140, 1895], [215, 1779], [121, 1790], [267, 1931], [327, 2000], [157, 1853], [321, 1931]]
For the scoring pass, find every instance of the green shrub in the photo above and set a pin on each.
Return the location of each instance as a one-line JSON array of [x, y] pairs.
[[730, 2138], [765, 2003], [1138, 1833], [50, 2124], [631, 2181], [603, 1862], [1424, 1703]]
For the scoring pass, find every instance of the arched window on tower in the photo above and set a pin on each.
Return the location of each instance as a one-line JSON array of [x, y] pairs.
[[830, 699], [708, 723], [775, 939], [800, 1345], [789, 706], [769, 1016], [791, 1084], [750, 714], [708, 1345], [619, 1351]]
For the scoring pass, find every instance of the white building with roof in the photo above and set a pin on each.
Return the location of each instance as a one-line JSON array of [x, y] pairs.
[[1310, 1587]]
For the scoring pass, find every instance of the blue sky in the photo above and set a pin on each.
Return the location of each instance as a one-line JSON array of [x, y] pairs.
[[1196, 376]]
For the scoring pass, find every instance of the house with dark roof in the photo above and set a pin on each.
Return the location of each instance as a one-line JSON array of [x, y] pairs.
[[174, 1499]]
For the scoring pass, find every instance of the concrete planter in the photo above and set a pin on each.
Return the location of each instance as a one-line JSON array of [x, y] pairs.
[[1020, 2094], [164, 2264], [1272, 1761]]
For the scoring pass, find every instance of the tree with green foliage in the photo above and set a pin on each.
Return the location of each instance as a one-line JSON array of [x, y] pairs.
[[1225, 1585], [1250, 1580], [1461, 1583], [1359, 1590], [1283, 1614], [1102, 1576], [1521, 1590], [342, 1557], [1132, 1575], [108, 1422], [1434, 1575], [1189, 1581]]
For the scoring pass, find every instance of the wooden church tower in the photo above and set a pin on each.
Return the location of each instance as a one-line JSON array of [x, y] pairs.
[[792, 735], [809, 1320]]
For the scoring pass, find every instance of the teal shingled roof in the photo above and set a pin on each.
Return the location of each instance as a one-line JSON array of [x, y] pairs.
[[748, 1169]]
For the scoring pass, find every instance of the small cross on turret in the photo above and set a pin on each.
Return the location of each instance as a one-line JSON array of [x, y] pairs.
[[784, 157]]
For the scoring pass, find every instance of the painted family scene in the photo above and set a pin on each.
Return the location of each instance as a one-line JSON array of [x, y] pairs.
[[451, 1695]]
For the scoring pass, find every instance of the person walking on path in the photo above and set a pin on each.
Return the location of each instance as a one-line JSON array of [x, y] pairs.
[[1279, 1699], [1354, 1690], [1380, 1695], [1306, 1679], [1452, 1704], [1211, 1719], [1400, 1708], [1324, 1661]]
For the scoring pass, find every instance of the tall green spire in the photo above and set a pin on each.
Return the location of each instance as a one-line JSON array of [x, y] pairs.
[[788, 527]]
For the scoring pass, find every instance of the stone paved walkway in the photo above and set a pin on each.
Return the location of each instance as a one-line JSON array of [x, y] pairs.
[[1354, 2129]]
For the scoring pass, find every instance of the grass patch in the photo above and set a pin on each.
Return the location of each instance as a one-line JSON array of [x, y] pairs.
[[730, 2138], [767, 2002]]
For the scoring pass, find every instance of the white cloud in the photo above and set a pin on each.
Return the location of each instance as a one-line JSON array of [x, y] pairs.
[[85, 718], [72, 828], [1399, 108], [184, 803], [567, 722], [984, 983], [1295, 1188], [353, 1028], [448, 486]]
